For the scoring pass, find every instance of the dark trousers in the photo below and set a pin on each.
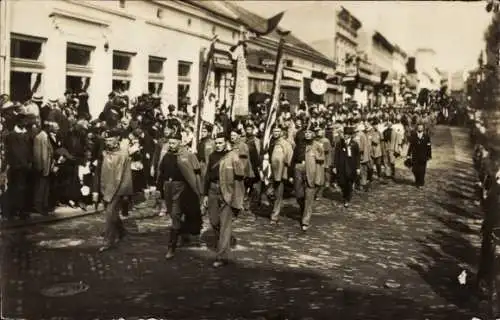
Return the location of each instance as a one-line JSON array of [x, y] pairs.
[[486, 270], [346, 186], [41, 194], [419, 173], [16, 191], [114, 229]]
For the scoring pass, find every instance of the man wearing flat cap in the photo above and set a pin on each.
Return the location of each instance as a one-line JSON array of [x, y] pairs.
[[281, 152], [223, 194], [346, 164], [114, 175], [327, 148], [309, 174], [180, 178]]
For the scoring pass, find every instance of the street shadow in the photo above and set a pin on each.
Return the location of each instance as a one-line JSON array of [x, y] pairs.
[[454, 194], [188, 287], [459, 210], [448, 250]]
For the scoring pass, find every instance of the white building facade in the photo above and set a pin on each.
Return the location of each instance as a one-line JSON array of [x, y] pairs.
[[99, 46]]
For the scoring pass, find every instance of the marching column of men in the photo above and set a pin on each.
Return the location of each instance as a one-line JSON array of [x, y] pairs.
[[305, 153]]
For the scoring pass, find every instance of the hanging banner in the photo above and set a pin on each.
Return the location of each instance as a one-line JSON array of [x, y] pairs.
[[240, 97], [272, 115], [208, 111]]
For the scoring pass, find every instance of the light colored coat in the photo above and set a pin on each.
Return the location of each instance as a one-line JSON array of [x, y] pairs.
[[281, 159], [315, 164], [364, 147], [43, 153], [375, 139], [232, 172]]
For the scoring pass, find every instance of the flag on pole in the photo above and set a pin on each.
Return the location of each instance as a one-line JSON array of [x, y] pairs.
[[205, 110], [272, 114], [239, 107]]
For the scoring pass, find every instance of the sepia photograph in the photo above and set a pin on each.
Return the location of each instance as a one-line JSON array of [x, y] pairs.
[[260, 160]]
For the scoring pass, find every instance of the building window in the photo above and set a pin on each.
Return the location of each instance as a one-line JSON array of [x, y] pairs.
[[26, 66], [122, 3], [156, 76], [184, 85], [78, 67], [29, 49], [184, 69], [122, 62], [156, 65], [159, 13], [78, 54]]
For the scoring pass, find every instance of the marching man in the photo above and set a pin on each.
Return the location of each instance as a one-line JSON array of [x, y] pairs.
[[115, 186], [224, 193], [180, 178]]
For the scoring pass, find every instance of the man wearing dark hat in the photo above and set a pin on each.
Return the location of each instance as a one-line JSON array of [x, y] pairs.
[[179, 176], [281, 153], [19, 157], [420, 152], [115, 186], [224, 193], [346, 164], [309, 174]]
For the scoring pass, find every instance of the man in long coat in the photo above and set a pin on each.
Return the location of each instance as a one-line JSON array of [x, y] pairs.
[[115, 186], [347, 165], [365, 155], [327, 148], [43, 163], [224, 193], [179, 176], [281, 159], [419, 151], [375, 140], [392, 149]]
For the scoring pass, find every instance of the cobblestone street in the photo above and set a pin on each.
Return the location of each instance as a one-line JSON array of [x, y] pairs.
[[420, 240]]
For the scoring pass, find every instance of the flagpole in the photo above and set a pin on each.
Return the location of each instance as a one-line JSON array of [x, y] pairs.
[[206, 67], [273, 111]]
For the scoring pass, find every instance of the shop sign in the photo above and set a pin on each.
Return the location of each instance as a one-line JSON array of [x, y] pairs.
[[319, 86], [291, 74], [268, 62], [222, 60]]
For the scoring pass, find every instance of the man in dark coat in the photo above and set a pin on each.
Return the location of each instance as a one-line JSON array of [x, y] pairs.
[[179, 176], [419, 151], [346, 164], [19, 156]]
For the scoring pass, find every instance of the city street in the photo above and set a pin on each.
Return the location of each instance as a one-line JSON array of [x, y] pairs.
[[395, 253]]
